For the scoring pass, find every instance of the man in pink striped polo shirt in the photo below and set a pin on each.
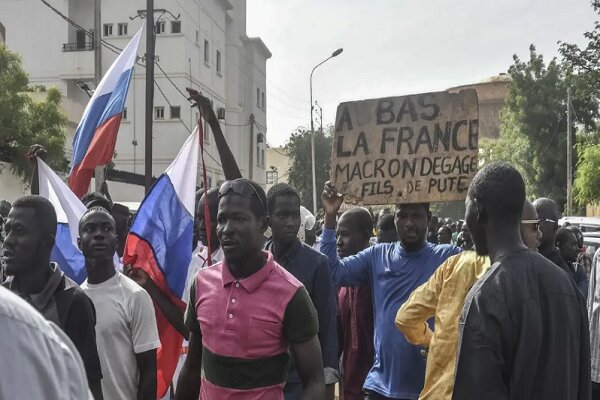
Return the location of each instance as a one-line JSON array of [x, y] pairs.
[[246, 312]]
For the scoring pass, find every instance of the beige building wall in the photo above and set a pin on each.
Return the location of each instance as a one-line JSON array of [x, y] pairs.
[[592, 210], [491, 94], [277, 166]]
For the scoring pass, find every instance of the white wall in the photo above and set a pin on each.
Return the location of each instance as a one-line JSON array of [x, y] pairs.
[[38, 34]]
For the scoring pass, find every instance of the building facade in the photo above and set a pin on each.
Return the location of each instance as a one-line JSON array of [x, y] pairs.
[[278, 166], [199, 43], [491, 95]]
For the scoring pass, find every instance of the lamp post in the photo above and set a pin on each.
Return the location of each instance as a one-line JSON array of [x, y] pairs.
[[312, 128]]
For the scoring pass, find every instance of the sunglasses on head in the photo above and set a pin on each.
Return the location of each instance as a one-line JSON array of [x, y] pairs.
[[241, 188], [534, 222]]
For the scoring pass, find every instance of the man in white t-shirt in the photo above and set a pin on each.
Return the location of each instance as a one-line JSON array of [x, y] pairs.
[[126, 331]]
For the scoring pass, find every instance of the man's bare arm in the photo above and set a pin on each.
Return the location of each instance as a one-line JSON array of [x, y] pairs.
[[309, 363]]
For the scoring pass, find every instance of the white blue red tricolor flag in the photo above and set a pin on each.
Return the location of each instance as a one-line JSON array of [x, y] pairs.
[[69, 210], [96, 135], [160, 243]]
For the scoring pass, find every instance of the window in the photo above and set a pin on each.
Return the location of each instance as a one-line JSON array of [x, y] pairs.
[[175, 26], [206, 51], [218, 62], [258, 97], [257, 155], [159, 113], [272, 177], [262, 158], [124, 114], [175, 112], [122, 29], [262, 100], [160, 27], [108, 29], [197, 37]]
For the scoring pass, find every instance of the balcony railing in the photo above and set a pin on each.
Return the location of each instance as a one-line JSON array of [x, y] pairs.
[[86, 46]]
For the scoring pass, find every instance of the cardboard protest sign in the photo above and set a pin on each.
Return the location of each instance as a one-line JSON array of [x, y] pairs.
[[409, 149]]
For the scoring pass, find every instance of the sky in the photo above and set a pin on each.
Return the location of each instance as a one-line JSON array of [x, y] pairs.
[[397, 47]]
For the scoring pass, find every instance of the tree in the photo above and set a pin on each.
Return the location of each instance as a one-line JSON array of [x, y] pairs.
[[28, 115], [300, 173], [586, 188], [582, 67], [534, 125]]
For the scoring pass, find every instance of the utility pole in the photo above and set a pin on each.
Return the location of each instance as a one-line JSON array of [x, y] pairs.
[[149, 93], [251, 167], [569, 162], [320, 116], [99, 173]]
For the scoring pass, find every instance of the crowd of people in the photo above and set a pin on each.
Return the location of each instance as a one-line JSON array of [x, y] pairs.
[[401, 305]]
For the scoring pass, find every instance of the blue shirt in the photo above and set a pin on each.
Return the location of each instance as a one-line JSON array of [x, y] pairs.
[[311, 268], [393, 273]]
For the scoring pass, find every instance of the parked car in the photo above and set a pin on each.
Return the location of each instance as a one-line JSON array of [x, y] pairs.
[[586, 224], [591, 241]]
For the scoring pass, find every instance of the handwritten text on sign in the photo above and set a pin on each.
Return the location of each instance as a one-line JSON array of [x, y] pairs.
[[410, 149]]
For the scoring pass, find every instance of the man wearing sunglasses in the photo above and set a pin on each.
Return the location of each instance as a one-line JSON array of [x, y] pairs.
[[549, 215], [246, 311], [442, 297], [523, 328], [530, 227]]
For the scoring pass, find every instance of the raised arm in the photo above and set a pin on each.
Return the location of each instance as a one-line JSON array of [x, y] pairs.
[[230, 167], [350, 271], [34, 152]]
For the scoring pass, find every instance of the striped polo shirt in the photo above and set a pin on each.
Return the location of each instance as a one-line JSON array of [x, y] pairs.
[[246, 327]]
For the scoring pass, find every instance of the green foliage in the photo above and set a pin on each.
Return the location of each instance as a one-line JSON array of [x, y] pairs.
[[28, 117], [582, 67], [449, 209], [534, 124], [300, 174], [586, 188]]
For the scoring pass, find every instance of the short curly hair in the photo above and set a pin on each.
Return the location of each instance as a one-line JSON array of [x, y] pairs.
[[501, 189]]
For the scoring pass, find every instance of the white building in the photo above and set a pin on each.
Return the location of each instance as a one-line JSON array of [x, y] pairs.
[[199, 43]]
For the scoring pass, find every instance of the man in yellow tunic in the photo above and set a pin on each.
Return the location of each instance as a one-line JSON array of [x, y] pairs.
[[442, 297]]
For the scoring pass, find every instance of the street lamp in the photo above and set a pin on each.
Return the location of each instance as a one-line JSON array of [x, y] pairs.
[[312, 129]]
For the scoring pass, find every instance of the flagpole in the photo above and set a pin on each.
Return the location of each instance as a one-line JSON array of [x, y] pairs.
[[99, 173], [149, 93]]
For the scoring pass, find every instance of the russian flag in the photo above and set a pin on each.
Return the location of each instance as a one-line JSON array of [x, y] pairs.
[[160, 243], [69, 210], [96, 135]]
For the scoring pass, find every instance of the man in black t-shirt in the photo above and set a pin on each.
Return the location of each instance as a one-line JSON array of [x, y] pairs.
[[30, 232], [523, 329]]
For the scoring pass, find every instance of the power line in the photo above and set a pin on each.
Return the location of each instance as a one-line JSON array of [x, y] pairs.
[[117, 50], [303, 101]]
